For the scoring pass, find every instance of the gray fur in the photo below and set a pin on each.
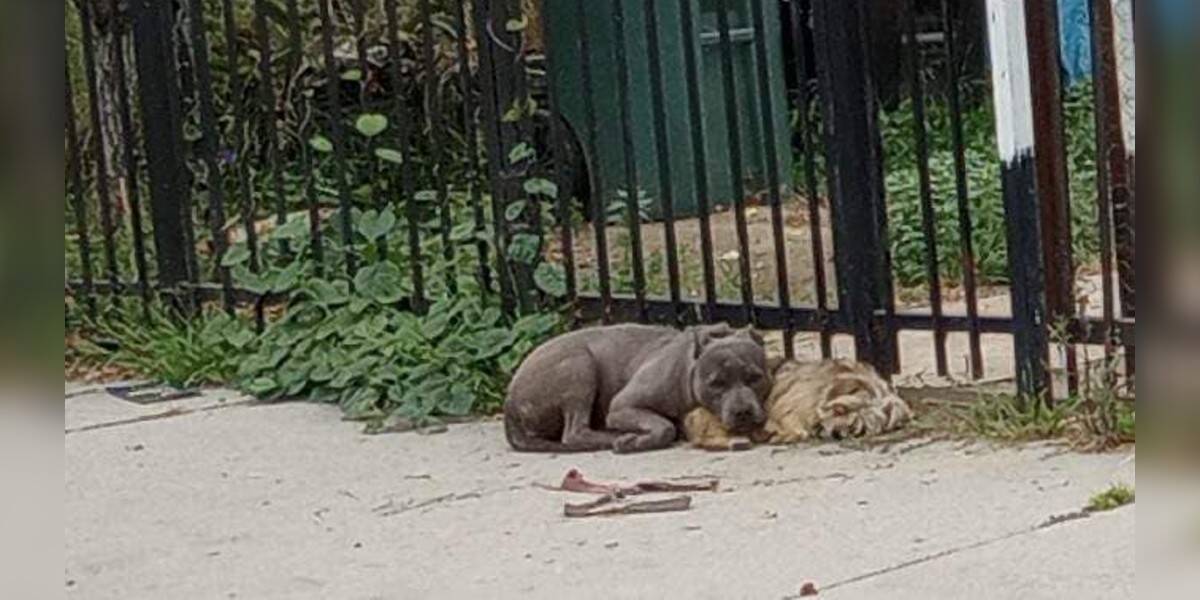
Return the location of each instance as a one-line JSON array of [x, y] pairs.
[[626, 387]]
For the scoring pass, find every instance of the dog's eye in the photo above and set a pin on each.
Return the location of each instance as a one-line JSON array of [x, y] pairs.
[[717, 383], [753, 378]]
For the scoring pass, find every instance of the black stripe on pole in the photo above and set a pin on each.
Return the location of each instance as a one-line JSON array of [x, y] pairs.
[[632, 189], [129, 156], [78, 200], [209, 147], [962, 195], [1015, 135], [933, 275], [767, 104], [691, 35], [406, 191], [332, 79], [736, 172], [663, 153]]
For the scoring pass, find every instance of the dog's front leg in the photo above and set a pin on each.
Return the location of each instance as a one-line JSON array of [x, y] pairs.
[[647, 430]]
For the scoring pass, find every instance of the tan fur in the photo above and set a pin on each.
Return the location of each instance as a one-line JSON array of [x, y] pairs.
[[826, 399]]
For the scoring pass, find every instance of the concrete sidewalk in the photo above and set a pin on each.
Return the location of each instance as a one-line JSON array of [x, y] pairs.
[[219, 498]]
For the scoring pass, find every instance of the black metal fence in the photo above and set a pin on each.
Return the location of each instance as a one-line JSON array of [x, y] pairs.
[[233, 120]]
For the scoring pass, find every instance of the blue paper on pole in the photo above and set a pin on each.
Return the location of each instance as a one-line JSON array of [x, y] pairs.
[[1075, 34]]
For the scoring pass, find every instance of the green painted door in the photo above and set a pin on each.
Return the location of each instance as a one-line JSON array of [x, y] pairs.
[[609, 162]]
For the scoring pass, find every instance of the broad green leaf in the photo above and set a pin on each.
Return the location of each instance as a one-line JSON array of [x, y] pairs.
[[382, 282], [458, 401], [542, 187], [462, 232], [514, 210], [389, 155], [491, 342], [236, 255], [524, 248], [261, 386], [321, 144], [551, 279], [328, 293], [295, 228], [435, 325], [239, 338], [285, 279], [352, 75], [425, 196], [516, 25], [374, 225], [520, 152], [371, 124]]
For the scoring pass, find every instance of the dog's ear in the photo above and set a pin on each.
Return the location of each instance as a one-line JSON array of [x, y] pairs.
[[703, 334]]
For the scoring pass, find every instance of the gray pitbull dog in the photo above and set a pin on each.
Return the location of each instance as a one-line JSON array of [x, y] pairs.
[[626, 387]]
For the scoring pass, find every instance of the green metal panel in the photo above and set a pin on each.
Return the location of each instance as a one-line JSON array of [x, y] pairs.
[[609, 165]]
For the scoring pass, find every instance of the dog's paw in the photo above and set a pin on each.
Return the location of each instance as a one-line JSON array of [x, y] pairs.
[[626, 443]]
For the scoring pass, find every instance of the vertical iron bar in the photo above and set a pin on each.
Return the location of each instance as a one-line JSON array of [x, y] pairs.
[[100, 149], [332, 80], [1041, 23], [690, 34], [1114, 152], [433, 118], [237, 93], [1103, 198], [485, 14], [270, 129], [773, 180], [598, 200], [161, 135], [733, 127], [358, 10], [295, 49], [406, 192], [965, 230], [665, 182], [632, 197], [1015, 136], [932, 271], [855, 178], [471, 160], [210, 143], [180, 94], [799, 42], [129, 138], [78, 198]]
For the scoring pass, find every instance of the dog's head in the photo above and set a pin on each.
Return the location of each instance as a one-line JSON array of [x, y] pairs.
[[857, 402], [729, 376]]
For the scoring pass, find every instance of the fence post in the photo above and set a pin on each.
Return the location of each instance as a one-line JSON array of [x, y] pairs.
[[154, 50], [1015, 135], [855, 178]]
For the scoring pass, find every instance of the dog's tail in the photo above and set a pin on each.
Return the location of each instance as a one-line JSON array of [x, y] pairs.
[[521, 441]]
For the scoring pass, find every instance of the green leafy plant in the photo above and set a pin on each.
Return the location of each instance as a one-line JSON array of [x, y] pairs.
[[1115, 496], [177, 350]]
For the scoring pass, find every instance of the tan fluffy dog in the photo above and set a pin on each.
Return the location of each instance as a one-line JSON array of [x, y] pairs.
[[833, 399]]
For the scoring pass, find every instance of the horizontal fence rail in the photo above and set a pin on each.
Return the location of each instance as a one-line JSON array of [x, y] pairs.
[[672, 162]]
